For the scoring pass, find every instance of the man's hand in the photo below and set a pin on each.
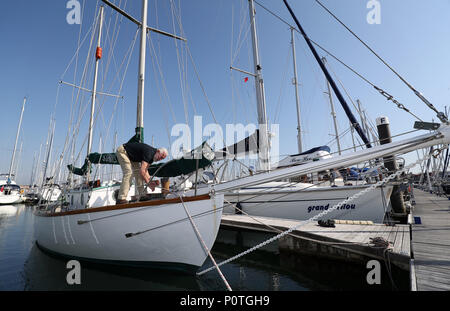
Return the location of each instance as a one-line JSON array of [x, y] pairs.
[[153, 184]]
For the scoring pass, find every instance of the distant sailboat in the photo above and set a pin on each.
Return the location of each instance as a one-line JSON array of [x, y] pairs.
[[10, 192], [302, 199]]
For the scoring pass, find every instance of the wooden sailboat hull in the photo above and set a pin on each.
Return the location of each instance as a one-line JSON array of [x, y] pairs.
[[169, 240], [303, 204]]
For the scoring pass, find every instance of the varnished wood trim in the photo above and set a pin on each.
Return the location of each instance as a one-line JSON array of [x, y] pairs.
[[126, 206]]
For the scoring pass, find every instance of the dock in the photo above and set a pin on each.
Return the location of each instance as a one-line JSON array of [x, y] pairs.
[[345, 242], [430, 231]]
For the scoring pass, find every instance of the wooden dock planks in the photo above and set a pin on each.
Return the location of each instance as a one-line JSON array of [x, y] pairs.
[[431, 242], [345, 241]]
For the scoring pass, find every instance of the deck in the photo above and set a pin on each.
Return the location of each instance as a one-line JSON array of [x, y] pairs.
[[431, 242]]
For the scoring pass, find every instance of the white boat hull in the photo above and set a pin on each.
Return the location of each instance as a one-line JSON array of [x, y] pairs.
[[50, 194], [10, 192], [172, 243], [12, 198], [306, 203]]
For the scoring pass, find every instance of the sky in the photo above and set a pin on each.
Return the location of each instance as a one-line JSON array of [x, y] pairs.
[[38, 48]]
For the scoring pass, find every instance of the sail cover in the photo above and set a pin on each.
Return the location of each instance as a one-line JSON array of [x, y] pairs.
[[246, 146], [198, 158]]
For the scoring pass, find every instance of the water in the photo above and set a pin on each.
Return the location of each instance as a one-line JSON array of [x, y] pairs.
[[25, 267]]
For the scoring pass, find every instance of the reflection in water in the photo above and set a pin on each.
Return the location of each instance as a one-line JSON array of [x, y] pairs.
[[23, 266], [43, 271], [294, 272], [7, 210]]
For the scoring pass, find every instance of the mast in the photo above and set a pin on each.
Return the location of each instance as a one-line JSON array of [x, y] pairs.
[[264, 159], [33, 170], [98, 56], [49, 150], [17, 137], [333, 85], [297, 101], [333, 114], [141, 77]]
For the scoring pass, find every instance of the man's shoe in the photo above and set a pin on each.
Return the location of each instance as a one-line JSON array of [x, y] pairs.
[[118, 202]]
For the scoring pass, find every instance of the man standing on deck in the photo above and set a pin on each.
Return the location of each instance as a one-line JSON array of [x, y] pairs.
[[135, 159]]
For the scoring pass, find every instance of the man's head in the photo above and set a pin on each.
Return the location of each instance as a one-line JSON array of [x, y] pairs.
[[160, 154]]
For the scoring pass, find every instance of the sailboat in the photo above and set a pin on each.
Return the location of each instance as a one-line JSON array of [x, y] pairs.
[[10, 192], [300, 199], [174, 233]]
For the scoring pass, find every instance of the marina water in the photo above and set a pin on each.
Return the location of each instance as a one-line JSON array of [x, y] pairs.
[[25, 267]]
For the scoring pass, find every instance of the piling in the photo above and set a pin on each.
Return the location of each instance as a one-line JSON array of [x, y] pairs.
[[397, 201]]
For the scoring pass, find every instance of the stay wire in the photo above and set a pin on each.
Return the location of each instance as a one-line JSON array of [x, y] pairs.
[[441, 116], [380, 90]]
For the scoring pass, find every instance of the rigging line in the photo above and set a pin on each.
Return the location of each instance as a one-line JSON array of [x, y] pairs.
[[130, 50], [76, 60], [202, 86], [181, 68], [116, 103], [164, 108], [282, 89], [349, 97], [440, 115], [113, 41], [75, 56], [380, 90], [127, 54], [241, 41], [232, 33], [275, 229], [187, 90], [385, 94], [314, 218], [204, 245], [235, 92], [129, 58], [333, 85], [83, 78], [155, 59], [341, 135]]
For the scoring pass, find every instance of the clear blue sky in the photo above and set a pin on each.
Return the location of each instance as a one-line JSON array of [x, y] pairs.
[[37, 45]]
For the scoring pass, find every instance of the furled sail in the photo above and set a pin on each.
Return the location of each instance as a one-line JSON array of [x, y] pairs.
[[249, 145], [198, 158]]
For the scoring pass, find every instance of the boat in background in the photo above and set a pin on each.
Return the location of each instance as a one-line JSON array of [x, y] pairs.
[[10, 192]]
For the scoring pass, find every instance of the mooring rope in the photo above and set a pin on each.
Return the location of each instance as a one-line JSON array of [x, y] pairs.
[[204, 246], [314, 218]]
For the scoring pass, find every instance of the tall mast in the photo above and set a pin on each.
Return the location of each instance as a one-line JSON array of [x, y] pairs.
[[333, 114], [49, 149], [297, 101], [141, 77], [333, 85], [94, 88], [260, 95], [17, 137]]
